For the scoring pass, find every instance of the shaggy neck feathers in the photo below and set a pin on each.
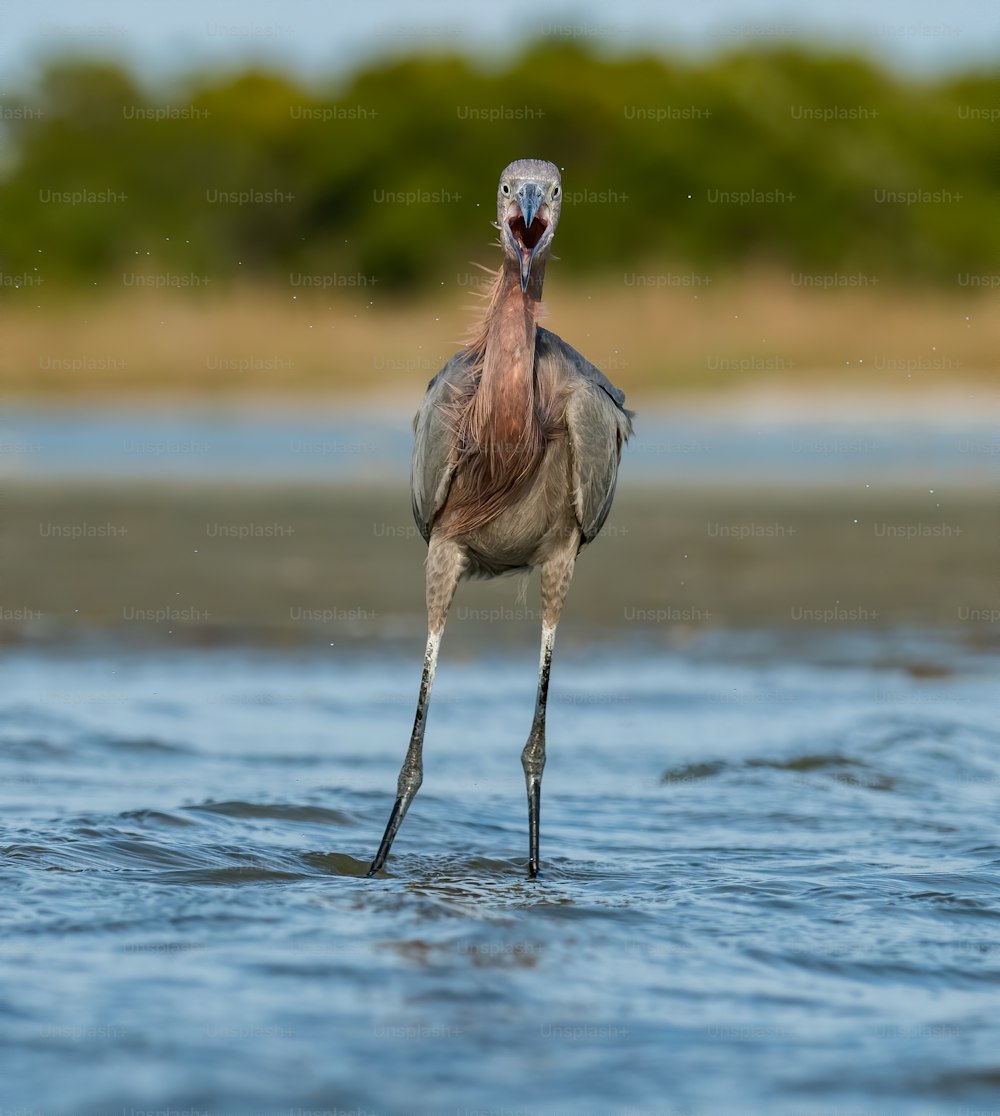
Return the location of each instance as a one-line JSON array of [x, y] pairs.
[[502, 427]]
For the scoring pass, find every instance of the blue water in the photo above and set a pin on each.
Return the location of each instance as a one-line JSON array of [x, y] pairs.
[[331, 442], [771, 882]]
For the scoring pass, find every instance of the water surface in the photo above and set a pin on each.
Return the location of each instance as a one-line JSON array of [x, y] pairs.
[[679, 444], [771, 881]]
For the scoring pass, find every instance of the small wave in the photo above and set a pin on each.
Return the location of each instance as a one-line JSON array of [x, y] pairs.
[[155, 818], [108, 850], [34, 747], [692, 772], [335, 864], [142, 744], [280, 811], [877, 753], [842, 768], [235, 875], [103, 850]]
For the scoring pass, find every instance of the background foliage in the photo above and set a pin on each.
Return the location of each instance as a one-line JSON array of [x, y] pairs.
[[390, 175]]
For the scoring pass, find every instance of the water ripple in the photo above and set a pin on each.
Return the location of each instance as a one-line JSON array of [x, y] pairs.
[[793, 901]]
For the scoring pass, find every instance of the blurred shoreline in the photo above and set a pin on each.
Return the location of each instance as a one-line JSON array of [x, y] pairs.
[[971, 402], [801, 459], [755, 336], [290, 564]]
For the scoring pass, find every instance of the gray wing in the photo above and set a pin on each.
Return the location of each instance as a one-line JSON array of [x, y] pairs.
[[599, 425], [433, 461]]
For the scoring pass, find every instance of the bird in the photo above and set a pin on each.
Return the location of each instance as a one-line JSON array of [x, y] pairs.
[[517, 444]]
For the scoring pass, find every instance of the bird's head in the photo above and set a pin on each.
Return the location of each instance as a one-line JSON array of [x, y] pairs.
[[528, 202]]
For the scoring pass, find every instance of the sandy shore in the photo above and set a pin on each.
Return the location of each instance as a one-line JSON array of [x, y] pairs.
[[293, 564]]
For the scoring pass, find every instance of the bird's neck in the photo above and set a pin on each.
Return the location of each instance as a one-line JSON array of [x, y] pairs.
[[502, 429], [504, 403]]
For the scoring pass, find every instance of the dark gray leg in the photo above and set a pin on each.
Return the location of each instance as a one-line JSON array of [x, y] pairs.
[[533, 756], [556, 575], [411, 774], [445, 564]]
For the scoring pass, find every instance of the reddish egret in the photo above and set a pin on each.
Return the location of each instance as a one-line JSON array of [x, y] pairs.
[[515, 458]]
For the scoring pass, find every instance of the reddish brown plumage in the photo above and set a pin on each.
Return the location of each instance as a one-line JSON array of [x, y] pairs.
[[504, 423]]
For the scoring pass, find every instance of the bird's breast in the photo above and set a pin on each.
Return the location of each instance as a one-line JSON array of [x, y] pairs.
[[534, 523]]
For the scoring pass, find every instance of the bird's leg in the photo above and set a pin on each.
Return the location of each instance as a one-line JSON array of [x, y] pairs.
[[533, 756], [411, 774], [556, 574], [445, 563]]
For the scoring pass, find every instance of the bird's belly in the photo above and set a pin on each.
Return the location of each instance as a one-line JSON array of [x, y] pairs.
[[539, 523]]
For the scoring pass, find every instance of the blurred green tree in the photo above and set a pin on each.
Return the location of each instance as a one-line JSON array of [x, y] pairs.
[[785, 157]]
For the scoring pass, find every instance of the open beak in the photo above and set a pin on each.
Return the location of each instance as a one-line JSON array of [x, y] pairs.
[[527, 224]]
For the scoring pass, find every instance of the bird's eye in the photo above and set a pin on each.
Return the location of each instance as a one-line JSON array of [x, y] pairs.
[[505, 189], [555, 191]]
